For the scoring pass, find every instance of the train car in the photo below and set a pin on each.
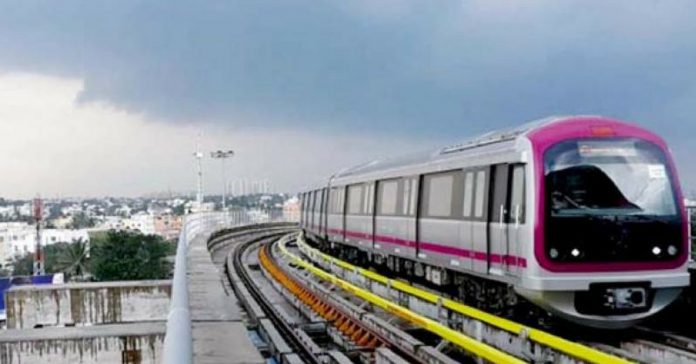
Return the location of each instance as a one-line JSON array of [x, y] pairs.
[[582, 216]]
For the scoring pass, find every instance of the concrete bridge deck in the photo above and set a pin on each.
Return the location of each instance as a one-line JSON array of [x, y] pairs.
[[219, 334]]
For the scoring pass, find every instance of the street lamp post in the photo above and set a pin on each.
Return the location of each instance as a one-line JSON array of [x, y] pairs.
[[222, 155]]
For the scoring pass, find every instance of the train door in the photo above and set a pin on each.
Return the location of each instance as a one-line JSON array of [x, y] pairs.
[[516, 227], [317, 215], [369, 219], [409, 209], [479, 219], [323, 213], [315, 209], [342, 212], [497, 222], [310, 207], [466, 227]]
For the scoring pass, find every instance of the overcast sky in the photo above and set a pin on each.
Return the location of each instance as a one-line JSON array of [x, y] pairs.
[[106, 98]]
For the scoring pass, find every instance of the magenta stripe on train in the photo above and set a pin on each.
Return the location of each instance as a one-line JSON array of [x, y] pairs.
[[437, 248]]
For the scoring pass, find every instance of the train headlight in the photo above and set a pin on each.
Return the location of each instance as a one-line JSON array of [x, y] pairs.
[[553, 253], [656, 250], [575, 252], [672, 250]]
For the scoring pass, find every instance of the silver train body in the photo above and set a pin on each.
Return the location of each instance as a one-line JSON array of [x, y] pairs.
[[555, 210]]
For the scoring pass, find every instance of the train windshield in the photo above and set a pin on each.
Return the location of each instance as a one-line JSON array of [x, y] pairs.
[[608, 177]]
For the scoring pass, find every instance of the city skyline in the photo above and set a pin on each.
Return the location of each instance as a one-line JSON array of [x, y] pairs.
[[108, 99]]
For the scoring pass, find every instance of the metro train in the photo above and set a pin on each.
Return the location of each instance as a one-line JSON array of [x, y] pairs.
[[581, 216]]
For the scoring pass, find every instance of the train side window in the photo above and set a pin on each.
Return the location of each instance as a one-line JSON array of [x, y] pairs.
[[517, 197], [333, 196], [366, 199], [414, 197], [371, 199], [408, 200], [341, 199], [354, 199], [323, 206], [368, 195], [387, 197], [440, 188], [317, 201], [330, 201], [320, 199], [499, 204], [468, 193], [480, 194], [333, 200]]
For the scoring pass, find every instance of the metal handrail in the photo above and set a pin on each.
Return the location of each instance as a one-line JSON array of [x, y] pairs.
[[178, 340]]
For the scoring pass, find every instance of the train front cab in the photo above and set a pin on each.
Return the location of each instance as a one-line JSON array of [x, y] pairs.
[[610, 236]]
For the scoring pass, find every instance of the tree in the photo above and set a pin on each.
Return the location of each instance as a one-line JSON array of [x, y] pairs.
[[23, 265], [179, 210], [62, 257], [51, 254], [126, 255], [80, 220], [72, 259]]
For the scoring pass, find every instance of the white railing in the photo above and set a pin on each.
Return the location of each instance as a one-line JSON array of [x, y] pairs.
[[178, 343]]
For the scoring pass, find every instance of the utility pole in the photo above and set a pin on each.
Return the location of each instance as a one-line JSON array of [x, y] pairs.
[[222, 155], [38, 253]]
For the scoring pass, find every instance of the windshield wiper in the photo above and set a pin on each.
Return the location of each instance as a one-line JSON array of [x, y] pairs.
[[645, 218], [570, 200]]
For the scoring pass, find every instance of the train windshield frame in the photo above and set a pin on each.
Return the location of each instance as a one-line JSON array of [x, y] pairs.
[[616, 177], [610, 200]]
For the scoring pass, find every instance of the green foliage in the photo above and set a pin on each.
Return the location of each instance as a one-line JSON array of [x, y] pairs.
[[80, 220], [130, 256], [23, 265], [116, 255], [179, 210], [51, 254], [72, 259], [69, 258]]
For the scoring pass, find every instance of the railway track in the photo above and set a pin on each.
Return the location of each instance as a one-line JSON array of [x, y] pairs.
[[644, 345], [640, 345], [354, 331], [343, 313]]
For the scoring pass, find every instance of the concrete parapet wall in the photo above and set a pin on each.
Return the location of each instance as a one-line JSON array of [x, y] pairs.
[[82, 304], [131, 343]]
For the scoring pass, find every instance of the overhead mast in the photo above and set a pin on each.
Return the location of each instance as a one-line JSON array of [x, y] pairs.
[[199, 158]]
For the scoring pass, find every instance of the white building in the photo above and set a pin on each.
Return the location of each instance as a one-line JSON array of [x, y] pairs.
[[144, 223], [291, 209], [18, 238], [7, 211]]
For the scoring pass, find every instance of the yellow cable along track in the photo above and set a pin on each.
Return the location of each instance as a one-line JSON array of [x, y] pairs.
[[572, 349]]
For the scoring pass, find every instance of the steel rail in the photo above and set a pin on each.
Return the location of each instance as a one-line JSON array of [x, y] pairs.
[[572, 349], [459, 339], [280, 324]]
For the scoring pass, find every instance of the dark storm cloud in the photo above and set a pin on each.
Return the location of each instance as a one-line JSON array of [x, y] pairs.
[[440, 68]]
